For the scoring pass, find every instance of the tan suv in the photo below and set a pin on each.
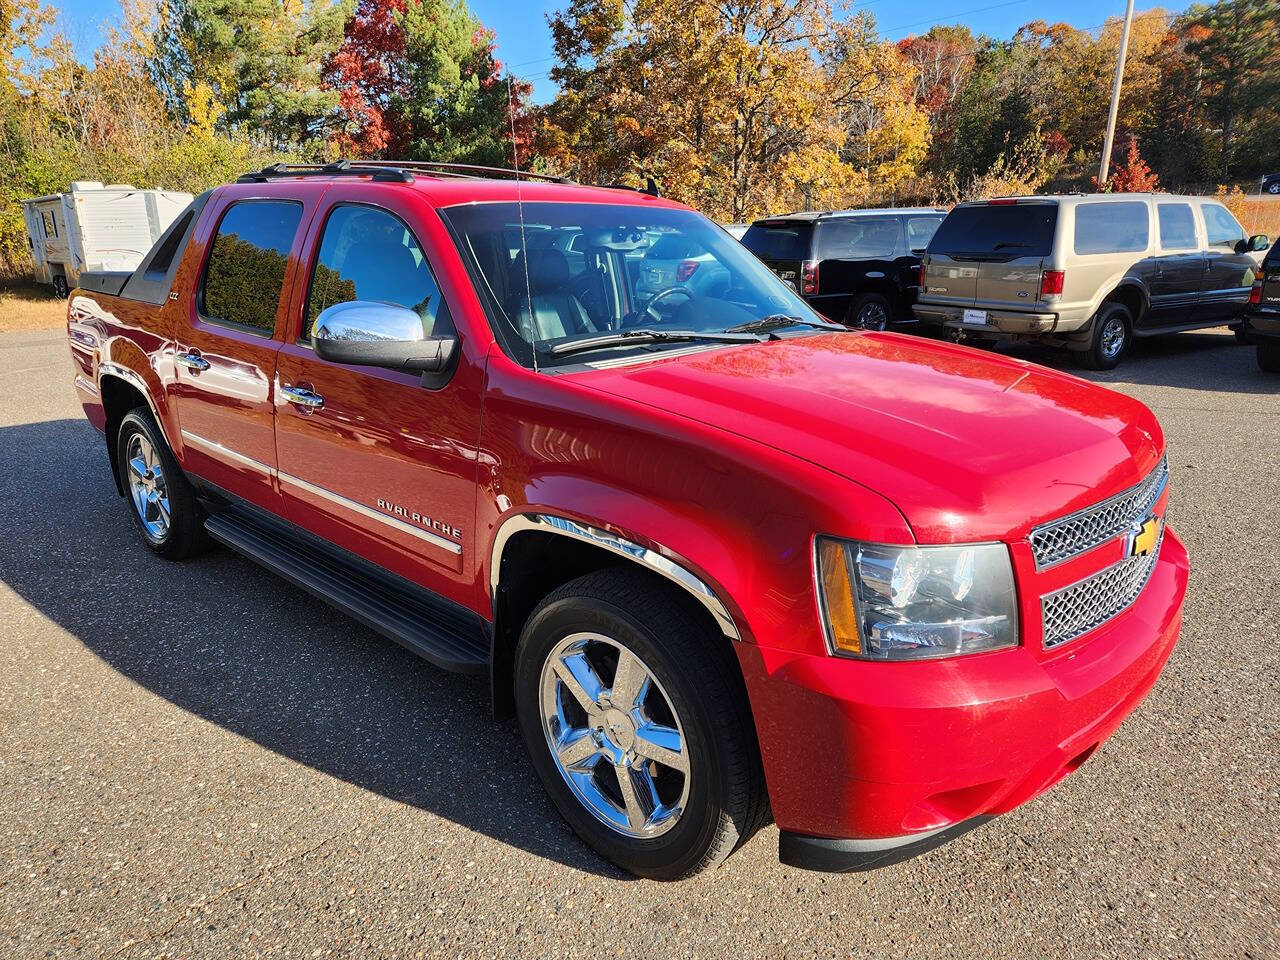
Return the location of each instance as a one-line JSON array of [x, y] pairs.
[[1087, 271]]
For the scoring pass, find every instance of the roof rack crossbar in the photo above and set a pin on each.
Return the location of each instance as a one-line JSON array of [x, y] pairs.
[[396, 171], [278, 171]]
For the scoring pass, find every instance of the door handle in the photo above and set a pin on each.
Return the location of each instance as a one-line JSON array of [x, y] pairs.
[[192, 361], [302, 396]]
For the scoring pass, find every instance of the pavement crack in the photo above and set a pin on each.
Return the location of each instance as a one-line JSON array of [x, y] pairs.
[[224, 893]]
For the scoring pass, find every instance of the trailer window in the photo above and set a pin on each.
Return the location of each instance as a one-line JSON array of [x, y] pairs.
[[244, 275], [50, 224]]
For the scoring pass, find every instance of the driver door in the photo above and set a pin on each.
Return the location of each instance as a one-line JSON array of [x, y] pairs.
[[380, 462]]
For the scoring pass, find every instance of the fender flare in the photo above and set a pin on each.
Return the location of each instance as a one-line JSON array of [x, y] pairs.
[[617, 545], [107, 368]]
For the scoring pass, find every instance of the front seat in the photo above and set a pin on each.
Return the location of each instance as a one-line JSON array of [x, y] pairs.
[[556, 313]]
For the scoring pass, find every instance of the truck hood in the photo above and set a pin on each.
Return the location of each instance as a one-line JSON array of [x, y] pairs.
[[968, 445]]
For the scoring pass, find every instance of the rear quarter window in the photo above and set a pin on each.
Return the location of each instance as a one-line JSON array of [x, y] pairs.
[[1123, 227], [780, 240], [920, 231], [1002, 231], [858, 238]]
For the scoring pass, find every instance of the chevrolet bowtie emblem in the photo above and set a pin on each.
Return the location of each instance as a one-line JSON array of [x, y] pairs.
[[1143, 537]]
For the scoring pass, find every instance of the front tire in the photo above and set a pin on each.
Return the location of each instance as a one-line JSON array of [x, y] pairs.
[[1109, 342], [161, 500], [636, 722], [1269, 356]]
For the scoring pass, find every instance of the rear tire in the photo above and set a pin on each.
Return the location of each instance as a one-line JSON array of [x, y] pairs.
[[675, 822], [1269, 356], [162, 501], [1242, 334], [60, 288], [869, 312], [1110, 339]]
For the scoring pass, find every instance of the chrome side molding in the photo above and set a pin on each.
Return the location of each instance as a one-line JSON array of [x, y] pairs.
[[547, 523]]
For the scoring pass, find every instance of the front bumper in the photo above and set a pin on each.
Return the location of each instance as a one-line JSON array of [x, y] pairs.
[[863, 759]]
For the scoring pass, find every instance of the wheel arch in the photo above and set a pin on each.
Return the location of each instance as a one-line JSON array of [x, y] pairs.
[[122, 390], [535, 552], [1132, 293]]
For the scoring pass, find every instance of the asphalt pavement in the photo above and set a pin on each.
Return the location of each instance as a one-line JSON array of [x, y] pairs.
[[198, 760]]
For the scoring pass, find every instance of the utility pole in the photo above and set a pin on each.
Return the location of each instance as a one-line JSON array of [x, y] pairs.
[[1115, 96]]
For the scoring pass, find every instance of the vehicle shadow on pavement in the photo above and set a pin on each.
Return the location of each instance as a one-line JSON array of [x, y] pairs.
[[233, 644], [1201, 360]]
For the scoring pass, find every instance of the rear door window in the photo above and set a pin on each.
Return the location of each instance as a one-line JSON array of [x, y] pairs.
[[920, 231], [859, 238], [779, 239], [370, 254], [1001, 231], [1222, 228], [1103, 227], [244, 274], [1177, 227]]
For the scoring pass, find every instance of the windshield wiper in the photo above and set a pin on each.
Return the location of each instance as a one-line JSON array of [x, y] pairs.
[[775, 320], [643, 335]]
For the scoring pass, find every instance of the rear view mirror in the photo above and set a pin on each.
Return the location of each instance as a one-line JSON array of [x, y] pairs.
[[374, 334]]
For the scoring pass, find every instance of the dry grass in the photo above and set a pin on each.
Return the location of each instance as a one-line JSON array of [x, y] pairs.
[[25, 306], [1257, 214]]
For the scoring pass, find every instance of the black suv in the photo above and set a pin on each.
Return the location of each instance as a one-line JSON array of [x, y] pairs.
[[1262, 316], [1271, 183], [857, 267]]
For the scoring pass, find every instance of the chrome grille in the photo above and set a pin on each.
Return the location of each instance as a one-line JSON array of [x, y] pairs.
[[1075, 610], [1072, 535]]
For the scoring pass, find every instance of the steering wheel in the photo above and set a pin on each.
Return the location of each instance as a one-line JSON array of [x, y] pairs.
[[647, 309]]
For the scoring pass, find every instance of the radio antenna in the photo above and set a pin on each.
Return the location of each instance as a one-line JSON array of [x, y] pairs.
[[524, 246]]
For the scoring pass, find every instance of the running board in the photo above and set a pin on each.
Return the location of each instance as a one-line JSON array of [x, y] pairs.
[[435, 629]]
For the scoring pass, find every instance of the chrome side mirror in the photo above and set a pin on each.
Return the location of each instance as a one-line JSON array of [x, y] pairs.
[[374, 334]]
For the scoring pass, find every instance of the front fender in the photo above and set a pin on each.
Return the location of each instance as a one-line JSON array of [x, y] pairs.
[[737, 516]]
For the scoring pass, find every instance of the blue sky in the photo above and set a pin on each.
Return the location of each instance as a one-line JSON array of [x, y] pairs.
[[524, 42]]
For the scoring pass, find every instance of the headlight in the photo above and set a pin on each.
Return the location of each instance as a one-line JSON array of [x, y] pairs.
[[915, 603]]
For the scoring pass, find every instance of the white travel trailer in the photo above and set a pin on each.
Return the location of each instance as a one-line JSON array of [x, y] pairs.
[[95, 227]]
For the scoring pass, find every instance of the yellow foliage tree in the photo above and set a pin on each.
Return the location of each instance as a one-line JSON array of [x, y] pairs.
[[741, 108]]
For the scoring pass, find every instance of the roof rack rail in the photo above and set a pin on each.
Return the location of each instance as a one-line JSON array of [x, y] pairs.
[[336, 169], [463, 170], [650, 187]]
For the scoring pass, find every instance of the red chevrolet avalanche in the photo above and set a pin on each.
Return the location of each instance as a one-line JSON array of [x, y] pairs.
[[723, 560]]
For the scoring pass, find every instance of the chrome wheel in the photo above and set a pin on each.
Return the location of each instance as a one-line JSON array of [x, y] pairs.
[[619, 745], [147, 487], [873, 316], [1113, 337]]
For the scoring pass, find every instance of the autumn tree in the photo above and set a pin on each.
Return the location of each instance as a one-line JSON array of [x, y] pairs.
[[741, 107], [258, 59], [419, 79], [1234, 44], [1132, 175]]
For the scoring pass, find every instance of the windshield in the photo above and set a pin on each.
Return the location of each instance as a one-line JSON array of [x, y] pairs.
[[591, 269]]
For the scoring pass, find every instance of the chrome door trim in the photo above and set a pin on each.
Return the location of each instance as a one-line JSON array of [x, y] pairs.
[[217, 450], [396, 524], [547, 523]]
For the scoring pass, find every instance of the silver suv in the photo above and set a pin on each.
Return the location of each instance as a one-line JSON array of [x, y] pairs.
[[1087, 271]]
